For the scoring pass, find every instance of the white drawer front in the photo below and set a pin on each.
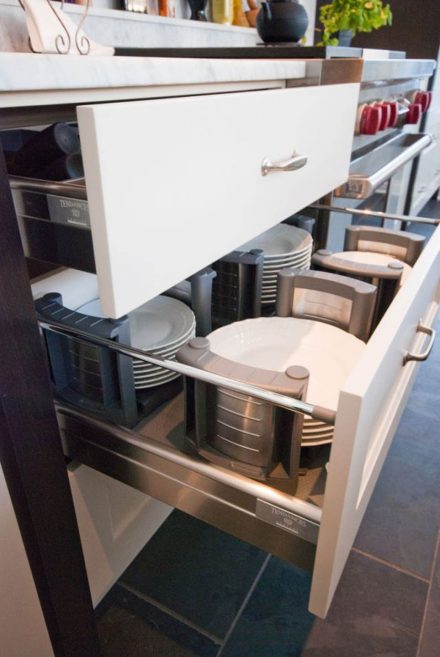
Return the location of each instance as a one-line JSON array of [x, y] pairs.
[[370, 406], [174, 184]]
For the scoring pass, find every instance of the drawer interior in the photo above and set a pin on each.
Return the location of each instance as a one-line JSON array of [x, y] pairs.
[[331, 497]]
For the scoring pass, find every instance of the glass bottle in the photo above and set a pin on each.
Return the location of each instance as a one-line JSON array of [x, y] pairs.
[[222, 11]]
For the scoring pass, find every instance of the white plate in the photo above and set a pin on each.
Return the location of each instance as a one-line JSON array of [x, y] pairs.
[[370, 258], [154, 384], [159, 323], [139, 365], [274, 270], [316, 443], [279, 241], [277, 262], [303, 264], [167, 376], [275, 343], [318, 434], [160, 373], [312, 423], [273, 278]]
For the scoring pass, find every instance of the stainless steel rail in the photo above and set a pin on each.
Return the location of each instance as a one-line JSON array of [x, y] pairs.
[[291, 404], [370, 171], [374, 213], [73, 188], [136, 444], [376, 70]]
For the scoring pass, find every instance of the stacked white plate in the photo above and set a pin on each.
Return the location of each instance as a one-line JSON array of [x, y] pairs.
[[283, 246], [161, 326], [276, 343], [372, 258]]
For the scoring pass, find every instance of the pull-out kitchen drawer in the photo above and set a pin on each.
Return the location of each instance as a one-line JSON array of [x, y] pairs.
[[296, 528], [173, 184]]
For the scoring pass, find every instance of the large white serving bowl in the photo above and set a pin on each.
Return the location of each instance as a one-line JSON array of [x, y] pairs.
[[276, 343]]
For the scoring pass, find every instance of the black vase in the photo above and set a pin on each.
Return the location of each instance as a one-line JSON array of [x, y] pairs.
[[282, 22], [198, 8]]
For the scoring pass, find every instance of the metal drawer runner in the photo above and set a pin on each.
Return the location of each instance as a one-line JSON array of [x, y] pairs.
[[270, 519]]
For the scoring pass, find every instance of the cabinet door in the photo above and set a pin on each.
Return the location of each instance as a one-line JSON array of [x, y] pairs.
[[370, 406], [174, 184]]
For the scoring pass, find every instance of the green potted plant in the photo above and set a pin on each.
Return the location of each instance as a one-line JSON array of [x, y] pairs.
[[352, 16]]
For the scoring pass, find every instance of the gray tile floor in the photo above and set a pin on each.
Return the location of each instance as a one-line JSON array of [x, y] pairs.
[[194, 591]]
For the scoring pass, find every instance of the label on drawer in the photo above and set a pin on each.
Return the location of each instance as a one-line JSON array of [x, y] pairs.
[[290, 522], [68, 211]]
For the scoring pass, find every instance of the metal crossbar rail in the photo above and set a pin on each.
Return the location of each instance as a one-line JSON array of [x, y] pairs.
[[318, 412], [404, 218]]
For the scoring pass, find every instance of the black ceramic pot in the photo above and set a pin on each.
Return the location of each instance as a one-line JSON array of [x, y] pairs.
[[198, 8], [282, 22]]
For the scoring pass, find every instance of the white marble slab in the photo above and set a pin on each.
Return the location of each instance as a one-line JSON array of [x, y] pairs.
[[21, 72]]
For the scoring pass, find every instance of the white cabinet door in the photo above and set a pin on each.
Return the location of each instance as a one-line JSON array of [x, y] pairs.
[[176, 183], [370, 406], [115, 521]]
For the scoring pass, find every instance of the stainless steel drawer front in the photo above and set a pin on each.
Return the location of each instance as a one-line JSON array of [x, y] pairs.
[[290, 522]]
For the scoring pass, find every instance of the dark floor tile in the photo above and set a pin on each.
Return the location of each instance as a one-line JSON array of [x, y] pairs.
[[376, 612], [275, 622], [143, 617], [199, 572], [122, 634], [403, 516], [430, 636]]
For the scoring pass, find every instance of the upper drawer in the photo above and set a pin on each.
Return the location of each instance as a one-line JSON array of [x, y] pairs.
[[174, 184]]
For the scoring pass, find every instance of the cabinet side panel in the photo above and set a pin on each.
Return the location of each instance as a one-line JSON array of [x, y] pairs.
[[369, 409], [23, 632]]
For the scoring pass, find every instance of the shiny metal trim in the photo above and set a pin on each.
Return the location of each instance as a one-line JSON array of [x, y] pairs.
[[225, 500], [72, 188], [428, 330], [362, 186], [289, 403], [255, 489], [376, 213], [291, 164], [396, 69]]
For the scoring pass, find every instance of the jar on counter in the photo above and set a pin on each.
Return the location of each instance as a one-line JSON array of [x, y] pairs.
[[167, 8], [222, 11]]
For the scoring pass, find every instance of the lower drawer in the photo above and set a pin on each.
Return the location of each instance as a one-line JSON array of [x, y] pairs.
[[296, 528]]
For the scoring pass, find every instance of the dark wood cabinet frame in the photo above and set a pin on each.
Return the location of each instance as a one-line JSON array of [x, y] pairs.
[[32, 458]]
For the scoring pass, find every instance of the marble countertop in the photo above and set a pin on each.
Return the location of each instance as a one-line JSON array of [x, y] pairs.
[[23, 72]]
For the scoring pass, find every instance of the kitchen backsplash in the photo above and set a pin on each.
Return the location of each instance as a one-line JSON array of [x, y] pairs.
[[125, 28]]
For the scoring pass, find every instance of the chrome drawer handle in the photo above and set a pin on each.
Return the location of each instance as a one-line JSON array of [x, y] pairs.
[[421, 328], [292, 164]]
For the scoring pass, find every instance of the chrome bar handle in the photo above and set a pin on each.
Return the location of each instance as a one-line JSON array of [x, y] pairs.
[[289, 403], [428, 330], [376, 213], [292, 164]]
